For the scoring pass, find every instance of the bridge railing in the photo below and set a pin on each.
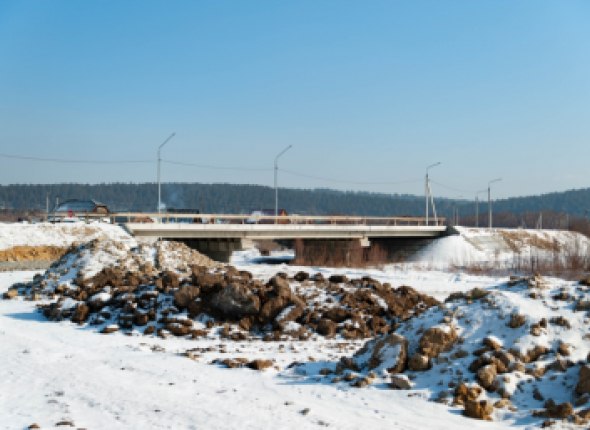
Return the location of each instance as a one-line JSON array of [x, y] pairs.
[[143, 217]]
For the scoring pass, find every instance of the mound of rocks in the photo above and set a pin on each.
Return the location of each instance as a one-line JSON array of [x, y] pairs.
[[167, 288], [520, 348]]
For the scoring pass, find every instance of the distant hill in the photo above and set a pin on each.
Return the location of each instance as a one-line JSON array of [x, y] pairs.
[[228, 198]]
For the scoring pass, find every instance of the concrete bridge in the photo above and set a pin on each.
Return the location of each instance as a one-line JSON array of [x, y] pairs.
[[219, 235]]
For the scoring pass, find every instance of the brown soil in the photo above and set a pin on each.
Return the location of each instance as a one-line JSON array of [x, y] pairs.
[[32, 253]]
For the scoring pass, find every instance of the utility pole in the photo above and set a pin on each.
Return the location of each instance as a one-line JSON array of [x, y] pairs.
[[159, 185], [490, 200], [427, 192], [276, 183], [477, 206]]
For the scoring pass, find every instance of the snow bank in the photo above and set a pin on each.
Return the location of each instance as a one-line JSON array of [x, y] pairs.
[[503, 248], [61, 234]]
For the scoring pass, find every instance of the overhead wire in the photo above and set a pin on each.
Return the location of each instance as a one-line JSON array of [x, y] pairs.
[[72, 161], [343, 181]]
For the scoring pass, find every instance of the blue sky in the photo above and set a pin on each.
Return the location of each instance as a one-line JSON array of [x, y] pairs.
[[368, 92]]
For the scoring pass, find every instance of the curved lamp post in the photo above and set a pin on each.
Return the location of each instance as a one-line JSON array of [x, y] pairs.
[[159, 161], [276, 185], [490, 200], [427, 191]]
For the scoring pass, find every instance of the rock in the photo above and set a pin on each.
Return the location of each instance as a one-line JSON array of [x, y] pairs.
[[583, 385], [516, 320], [260, 364], [492, 343], [477, 293], [65, 423], [561, 410], [178, 329], [419, 362], [280, 286], [400, 382], [271, 308], [301, 276], [561, 321], [140, 319], [170, 279], [81, 313], [235, 301], [289, 314], [337, 314], [388, 352], [327, 327], [437, 339], [338, 279], [486, 376], [582, 305], [10, 294], [34, 426], [464, 393], [185, 295], [481, 410], [110, 329]]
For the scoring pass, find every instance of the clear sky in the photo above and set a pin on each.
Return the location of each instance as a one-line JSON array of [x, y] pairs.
[[368, 92]]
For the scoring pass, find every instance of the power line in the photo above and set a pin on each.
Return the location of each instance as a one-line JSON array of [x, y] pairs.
[[453, 188], [342, 181], [209, 166], [72, 161]]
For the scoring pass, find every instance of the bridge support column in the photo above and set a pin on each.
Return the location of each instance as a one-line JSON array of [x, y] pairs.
[[355, 252], [216, 249]]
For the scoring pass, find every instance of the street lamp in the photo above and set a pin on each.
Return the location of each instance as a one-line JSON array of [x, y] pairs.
[[490, 200], [477, 206], [159, 184], [276, 186], [427, 192]]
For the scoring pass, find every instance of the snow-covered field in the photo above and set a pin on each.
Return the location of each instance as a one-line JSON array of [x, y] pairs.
[[55, 373]]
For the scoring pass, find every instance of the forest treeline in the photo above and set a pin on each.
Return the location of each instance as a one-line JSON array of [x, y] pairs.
[[243, 199]]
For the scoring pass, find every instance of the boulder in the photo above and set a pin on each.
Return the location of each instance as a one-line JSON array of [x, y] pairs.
[[327, 327], [481, 410], [337, 314], [10, 294], [260, 364], [437, 339], [81, 313], [235, 301], [583, 385], [387, 352], [516, 320], [486, 376], [561, 410], [464, 393], [301, 276], [338, 279], [419, 362], [185, 295], [400, 382]]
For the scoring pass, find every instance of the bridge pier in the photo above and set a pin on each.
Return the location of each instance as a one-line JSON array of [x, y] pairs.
[[356, 252], [216, 249]]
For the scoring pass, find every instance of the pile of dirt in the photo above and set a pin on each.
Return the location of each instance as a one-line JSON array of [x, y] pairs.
[[32, 253], [518, 352], [167, 288]]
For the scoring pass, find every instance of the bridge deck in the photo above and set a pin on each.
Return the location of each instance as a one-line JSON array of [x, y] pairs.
[[174, 226]]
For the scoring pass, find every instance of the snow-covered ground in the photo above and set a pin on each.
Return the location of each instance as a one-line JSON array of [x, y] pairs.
[[60, 234], [53, 372]]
